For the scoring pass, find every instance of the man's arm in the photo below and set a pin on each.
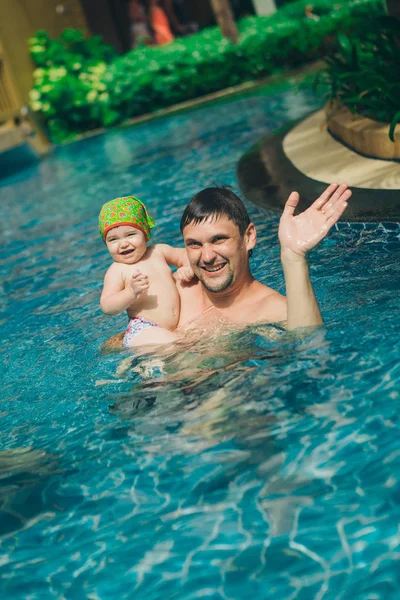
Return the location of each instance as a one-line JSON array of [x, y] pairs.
[[299, 234], [302, 305]]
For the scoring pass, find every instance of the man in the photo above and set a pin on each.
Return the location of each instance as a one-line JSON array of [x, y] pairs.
[[219, 238]]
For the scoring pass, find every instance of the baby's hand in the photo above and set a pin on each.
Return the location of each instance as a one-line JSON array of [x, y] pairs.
[[184, 274], [139, 283]]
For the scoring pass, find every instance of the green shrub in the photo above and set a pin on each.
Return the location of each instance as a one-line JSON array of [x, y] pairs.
[[364, 74], [68, 88], [72, 48], [80, 85]]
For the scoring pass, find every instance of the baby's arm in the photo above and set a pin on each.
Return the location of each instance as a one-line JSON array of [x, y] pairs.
[[178, 258], [174, 256], [116, 295]]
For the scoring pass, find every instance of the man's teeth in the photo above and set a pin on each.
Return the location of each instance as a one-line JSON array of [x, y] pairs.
[[215, 268]]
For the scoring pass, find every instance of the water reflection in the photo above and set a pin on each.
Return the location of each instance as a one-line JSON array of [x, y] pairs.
[[24, 473]]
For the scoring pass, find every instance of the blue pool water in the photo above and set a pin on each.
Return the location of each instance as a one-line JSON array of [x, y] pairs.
[[259, 465]]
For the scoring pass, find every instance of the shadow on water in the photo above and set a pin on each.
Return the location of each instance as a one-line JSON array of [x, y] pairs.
[[24, 475]]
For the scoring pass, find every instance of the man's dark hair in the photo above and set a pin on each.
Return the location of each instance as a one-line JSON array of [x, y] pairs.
[[216, 202]]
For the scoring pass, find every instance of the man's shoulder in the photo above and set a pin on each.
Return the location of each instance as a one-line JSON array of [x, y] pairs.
[[192, 298], [268, 305], [262, 291]]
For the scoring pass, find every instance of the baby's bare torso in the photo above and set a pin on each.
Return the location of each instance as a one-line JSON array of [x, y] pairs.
[[160, 303]]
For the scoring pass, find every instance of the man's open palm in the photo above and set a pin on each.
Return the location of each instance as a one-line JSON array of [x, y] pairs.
[[303, 232]]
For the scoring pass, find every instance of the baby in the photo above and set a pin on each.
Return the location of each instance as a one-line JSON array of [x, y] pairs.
[[140, 280]]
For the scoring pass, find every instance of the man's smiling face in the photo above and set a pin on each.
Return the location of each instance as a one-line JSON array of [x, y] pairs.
[[218, 254]]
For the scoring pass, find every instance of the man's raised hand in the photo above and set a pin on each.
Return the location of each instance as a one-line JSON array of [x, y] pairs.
[[299, 234]]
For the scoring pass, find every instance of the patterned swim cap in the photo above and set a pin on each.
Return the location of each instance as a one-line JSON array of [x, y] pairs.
[[127, 210]]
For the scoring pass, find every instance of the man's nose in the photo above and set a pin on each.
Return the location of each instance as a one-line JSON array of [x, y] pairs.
[[208, 254]]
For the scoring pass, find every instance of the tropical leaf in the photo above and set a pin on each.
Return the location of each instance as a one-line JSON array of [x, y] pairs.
[[393, 124], [364, 72]]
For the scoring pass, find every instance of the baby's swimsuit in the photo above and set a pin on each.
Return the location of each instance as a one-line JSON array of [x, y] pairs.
[[135, 326]]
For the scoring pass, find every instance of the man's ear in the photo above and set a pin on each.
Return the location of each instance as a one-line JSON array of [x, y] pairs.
[[250, 236]]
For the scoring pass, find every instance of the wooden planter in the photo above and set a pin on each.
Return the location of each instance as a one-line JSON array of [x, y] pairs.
[[364, 135]]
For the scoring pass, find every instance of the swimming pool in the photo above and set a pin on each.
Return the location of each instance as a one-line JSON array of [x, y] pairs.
[[258, 465]]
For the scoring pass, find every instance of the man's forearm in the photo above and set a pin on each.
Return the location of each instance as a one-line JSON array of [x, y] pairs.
[[302, 305]]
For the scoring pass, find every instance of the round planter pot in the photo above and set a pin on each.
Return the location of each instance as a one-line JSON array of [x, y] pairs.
[[361, 134], [305, 157]]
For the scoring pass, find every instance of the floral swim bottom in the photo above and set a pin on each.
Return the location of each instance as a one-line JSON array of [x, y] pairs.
[[135, 326]]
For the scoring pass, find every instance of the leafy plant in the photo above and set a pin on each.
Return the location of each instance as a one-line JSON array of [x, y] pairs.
[[80, 85], [364, 74], [68, 88], [71, 48]]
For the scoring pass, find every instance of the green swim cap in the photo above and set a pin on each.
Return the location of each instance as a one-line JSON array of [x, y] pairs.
[[127, 210]]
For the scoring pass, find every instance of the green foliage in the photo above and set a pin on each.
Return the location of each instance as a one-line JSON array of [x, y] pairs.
[[68, 89], [364, 74], [80, 86], [70, 49]]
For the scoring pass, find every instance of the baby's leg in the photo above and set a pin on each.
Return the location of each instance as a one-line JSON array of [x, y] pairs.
[[151, 336]]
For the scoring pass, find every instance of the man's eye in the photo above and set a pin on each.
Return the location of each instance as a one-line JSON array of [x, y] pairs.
[[219, 240], [193, 245]]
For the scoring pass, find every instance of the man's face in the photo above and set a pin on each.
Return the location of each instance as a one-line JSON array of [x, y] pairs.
[[218, 254]]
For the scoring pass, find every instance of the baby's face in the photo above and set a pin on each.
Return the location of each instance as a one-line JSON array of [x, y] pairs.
[[126, 244]]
